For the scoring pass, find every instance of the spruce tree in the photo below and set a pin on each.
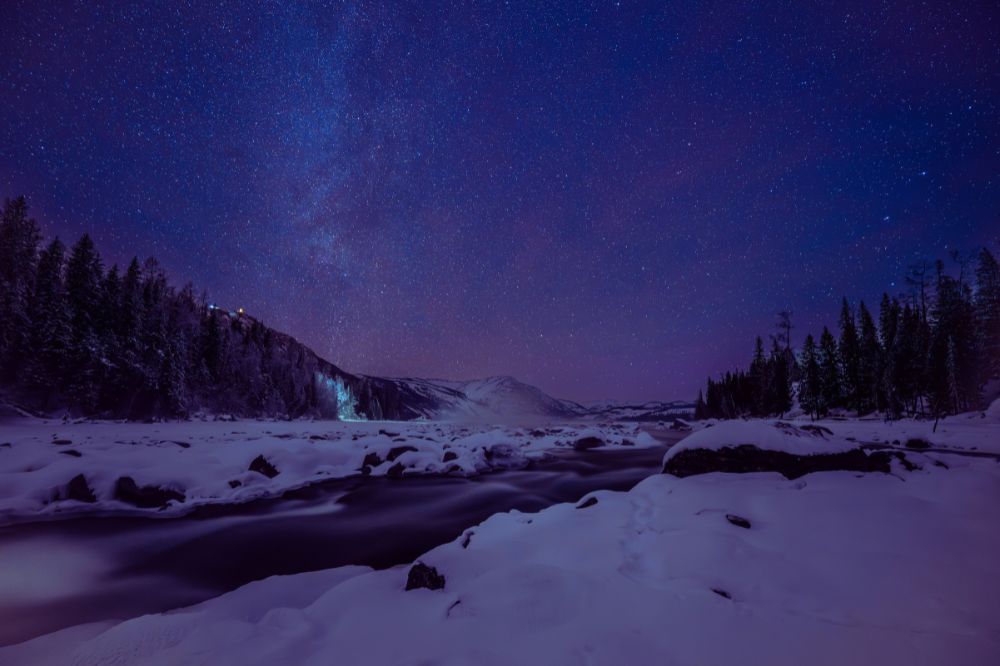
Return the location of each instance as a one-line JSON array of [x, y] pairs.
[[51, 331], [869, 362], [987, 309], [811, 397], [829, 363], [850, 359], [83, 293], [19, 239]]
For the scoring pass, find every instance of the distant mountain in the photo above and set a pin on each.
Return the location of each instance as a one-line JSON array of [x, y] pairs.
[[645, 411], [500, 399]]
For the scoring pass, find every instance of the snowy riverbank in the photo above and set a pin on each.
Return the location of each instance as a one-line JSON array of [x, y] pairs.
[[49, 469], [830, 568]]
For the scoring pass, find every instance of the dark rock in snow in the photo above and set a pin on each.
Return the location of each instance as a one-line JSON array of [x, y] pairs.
[[739, 521], [397, 451], [585, 443], [262, 465], [422, 575], [388, 434], [449, 455], [722, 593], [589, 502], [183, 445], [748, 458], [78, 489], [61, 442], [72, 453], [372, 460], [146, 497], [467, 539], [816, 429], [917, 444], [235, 483], [396, 471]]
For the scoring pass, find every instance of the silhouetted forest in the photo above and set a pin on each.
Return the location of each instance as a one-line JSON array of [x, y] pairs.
[[932, 352], [91, 340]]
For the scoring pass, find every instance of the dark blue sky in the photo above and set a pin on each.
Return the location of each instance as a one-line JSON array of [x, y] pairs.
[[605, 199]]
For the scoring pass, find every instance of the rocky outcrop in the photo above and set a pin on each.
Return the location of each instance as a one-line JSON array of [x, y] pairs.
[[748, 458], [262, 465], [423, 576], [145, 497]]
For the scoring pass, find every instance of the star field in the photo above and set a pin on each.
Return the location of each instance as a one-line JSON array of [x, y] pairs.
[[605, 199]]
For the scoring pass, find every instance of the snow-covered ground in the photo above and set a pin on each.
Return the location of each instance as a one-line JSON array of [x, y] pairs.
[[209, 461], [831, 568]]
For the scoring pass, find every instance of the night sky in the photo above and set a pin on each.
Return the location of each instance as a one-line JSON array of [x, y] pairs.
[[608, 200]]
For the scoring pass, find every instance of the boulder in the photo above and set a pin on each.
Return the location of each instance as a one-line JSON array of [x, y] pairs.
[[372, 460], [748, 458], [145, 497], [589, 502], [585, 443], [78, 489], [262, 465], [449, 456], [917, 444], [396, 471], [397, 451], [424, 576]]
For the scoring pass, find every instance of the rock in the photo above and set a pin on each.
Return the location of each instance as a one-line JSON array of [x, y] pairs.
[[449, 456], [262, 465], [78, 489], [397, 451], [681, 425], [917, 444], [422, 575], [585, 443], [73, 453], [183, 445], [748, 458], [388, 433], [145, 497], [61, 442], [396, 471], [467, 539], [816, 429], [722, 593], [372, 460], [739, 521], [589, 502], [235, 483], [317, 437]]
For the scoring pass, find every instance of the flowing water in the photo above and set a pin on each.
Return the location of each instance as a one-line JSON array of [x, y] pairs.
[[56, 574]]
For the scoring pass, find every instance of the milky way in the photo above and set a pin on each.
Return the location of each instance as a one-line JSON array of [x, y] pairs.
[[605, 199]]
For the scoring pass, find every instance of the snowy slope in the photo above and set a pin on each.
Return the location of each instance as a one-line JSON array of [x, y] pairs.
[[493, 399], [834, 568]]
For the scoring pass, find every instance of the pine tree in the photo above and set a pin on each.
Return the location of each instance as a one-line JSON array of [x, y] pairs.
[[811, 397], [760, 379], [19, 239], [51, 332], [829, 364], [987, 309], [889, 323], [83, 293], [700, 407], [779, 398], [869, 362], [850, 359]]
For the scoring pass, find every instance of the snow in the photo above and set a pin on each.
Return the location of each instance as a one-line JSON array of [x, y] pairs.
[[836, 568], [205, 459], [769, 435]]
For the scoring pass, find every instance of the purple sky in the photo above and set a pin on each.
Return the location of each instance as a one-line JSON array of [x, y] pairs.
[[608, 200]]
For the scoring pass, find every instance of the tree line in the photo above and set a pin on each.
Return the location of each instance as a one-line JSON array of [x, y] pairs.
[[931, 353], [75, 336]]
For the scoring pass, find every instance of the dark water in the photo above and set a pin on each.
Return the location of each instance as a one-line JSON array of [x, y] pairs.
[[58, 574]]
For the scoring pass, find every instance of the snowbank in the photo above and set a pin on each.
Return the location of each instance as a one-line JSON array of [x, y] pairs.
[[49, 468], [800, 440], [716, 569]]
